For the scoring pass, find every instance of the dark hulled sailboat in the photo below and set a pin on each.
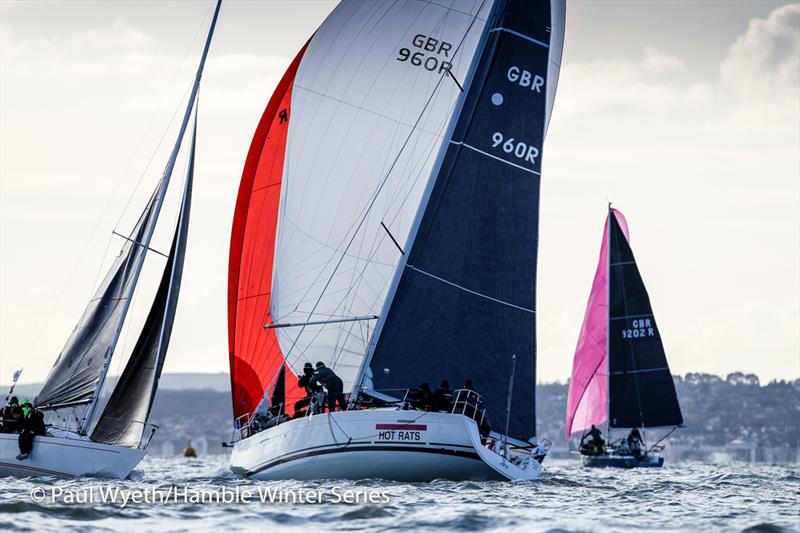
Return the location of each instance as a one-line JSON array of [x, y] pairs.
[[620, 374]]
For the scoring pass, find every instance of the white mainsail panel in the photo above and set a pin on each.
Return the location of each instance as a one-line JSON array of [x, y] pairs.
[[371, 102], [558, 20]]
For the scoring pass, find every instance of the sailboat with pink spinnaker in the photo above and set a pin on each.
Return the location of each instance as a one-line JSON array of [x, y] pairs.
[[620, 375]]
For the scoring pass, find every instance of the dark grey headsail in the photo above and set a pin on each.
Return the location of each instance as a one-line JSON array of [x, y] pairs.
[[641, 390], [125, 415], [465, 299], [75, 375], [78, 375]]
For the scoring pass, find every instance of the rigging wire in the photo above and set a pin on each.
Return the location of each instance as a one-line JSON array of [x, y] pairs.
[[659, 441], [376, 194], [129, 320], [120, 181], [172, 118]]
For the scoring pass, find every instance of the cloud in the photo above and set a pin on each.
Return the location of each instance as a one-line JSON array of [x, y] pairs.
[[753, 102], [658, 62], [119, 36], [706, 167], [765, 61]]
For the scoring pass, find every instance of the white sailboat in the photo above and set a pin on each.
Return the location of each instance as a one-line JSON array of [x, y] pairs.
[[387, 226], [82, 439]]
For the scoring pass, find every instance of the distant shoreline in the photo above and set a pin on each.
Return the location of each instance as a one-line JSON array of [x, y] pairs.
[[220, 381]]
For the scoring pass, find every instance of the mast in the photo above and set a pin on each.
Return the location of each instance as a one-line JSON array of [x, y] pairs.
[[125, 415], [466, 292], [179, 232], [641, 389], [608, 322], [156, 210], [401, 265]]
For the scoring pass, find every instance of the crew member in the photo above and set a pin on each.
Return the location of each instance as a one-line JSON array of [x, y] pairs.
[[27, 407], [9, 424], [31, 426], [304, 382], [595, 444], [443, 397], [333, 386], [635, 442], [421, 397]]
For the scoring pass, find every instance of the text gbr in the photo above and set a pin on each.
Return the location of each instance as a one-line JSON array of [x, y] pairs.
[[427, 52], [641, 328], [519, 149]]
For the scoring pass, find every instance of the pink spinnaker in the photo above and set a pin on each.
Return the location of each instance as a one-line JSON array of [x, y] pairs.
[[587, 402]]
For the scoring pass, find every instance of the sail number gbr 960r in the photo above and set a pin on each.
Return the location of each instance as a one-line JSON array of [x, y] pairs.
[[427, 52], [519, 149]]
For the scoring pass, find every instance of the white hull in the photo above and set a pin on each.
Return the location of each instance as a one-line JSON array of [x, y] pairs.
[[379, 443], [66, 457]]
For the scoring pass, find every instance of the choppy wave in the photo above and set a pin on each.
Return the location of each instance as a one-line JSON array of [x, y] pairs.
[[681, 497]]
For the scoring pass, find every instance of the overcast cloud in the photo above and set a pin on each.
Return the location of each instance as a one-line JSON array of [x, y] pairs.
[[685, 114]]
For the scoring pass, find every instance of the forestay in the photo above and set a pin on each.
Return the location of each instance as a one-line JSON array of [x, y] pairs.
[[464, 300], [371, 101], [587, 402], [75, 375], [641, 389], [620, 373], [78, 374], [125, 415]]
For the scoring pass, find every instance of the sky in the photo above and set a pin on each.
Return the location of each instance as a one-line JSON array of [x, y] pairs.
[[685, 114]]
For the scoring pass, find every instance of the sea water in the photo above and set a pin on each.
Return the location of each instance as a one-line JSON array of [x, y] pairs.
[[203, 495]]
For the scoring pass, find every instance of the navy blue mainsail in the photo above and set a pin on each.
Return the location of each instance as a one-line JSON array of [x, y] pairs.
[[641, 389], [464, 301]]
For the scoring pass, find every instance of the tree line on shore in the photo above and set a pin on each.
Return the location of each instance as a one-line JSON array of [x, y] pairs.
[[717, 411]]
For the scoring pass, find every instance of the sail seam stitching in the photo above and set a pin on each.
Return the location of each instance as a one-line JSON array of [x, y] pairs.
[[639, 371], [366, 110], [520, 35], [470, 290], [495, 157], [629, 316]]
